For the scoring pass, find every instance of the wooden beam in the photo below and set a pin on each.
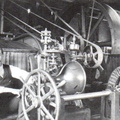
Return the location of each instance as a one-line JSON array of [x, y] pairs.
[[85, 1]]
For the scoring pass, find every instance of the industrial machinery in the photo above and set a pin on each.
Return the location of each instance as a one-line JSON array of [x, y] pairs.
[[71, 70]]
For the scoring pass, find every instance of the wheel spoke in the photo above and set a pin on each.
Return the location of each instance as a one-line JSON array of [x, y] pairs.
[[51, 91], [42, 113], [27, 110], [96, 25], [41, 97], [95, 60], [30, 91], [30, 108], [42, 91], [91, 17], [39, 84], [53, 104], [96, 53], [47, 112], [38, 114]]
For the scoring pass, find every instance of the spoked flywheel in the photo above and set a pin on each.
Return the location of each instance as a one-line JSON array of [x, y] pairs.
[[40, 97], [97, 23], [94, 21]]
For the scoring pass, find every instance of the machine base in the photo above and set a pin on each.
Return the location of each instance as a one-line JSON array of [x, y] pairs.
[[72, 113]]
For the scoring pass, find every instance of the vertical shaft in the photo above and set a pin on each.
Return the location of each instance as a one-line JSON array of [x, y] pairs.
[[2, 16]]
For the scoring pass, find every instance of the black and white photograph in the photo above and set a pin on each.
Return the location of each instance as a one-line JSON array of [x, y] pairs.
[[59, 59]]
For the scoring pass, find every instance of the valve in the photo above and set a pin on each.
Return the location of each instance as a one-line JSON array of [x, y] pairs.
[[45, 36], [73, 46]]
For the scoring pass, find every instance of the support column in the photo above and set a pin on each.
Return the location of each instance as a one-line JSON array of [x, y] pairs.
[[110, 107], [1, 17]]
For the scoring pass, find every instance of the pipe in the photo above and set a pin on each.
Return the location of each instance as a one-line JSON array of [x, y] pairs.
[[86, 95]]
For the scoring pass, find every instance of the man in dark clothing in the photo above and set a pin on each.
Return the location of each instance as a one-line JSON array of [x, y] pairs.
[[11, 78]]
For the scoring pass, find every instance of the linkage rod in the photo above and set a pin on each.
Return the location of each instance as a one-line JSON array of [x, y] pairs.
[[86, 95], [78, 36], [90, 24], [32, 35], [45, 19], [60, 18], [22, 22]]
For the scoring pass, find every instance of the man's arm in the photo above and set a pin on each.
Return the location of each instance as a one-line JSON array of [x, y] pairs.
[[9, 90], [18, 73]]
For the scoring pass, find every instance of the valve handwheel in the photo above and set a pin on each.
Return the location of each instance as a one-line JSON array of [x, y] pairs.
[[93, 56], [40, 97]]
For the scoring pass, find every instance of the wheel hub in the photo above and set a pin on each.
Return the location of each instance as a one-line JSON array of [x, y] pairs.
[[37, 102]]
